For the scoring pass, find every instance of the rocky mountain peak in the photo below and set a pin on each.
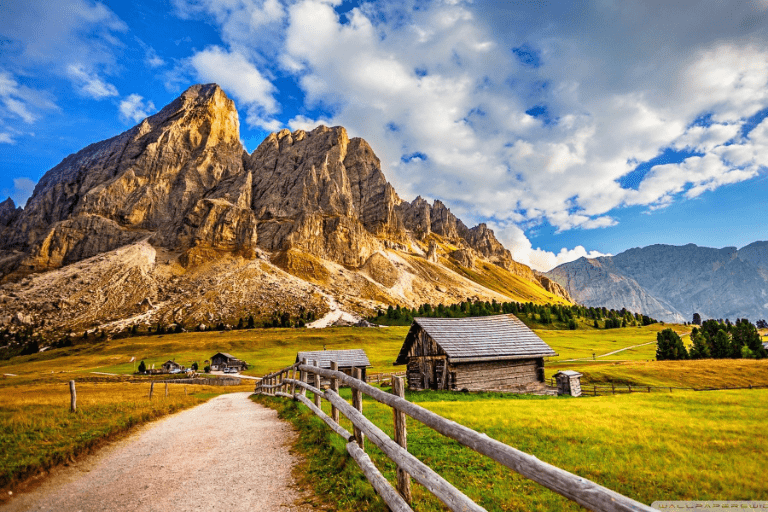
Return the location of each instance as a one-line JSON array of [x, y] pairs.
[[180, 183], [8, 212]]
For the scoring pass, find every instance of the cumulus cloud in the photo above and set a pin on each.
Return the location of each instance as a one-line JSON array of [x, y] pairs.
[[236, 74], [134, 108], [522, 251], [253, 28], [6, 138], [448, 78]]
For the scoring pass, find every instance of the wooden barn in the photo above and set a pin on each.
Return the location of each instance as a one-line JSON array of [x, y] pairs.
[[480, 353], [171, 365], [223, 360], [346, 359]]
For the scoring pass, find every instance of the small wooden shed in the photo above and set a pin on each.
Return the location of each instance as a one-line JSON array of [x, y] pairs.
[[346, 359], [477, 353], [568, 382], [223, 360], [171, 365]]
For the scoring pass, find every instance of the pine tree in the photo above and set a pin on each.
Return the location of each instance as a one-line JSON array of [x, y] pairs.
[[669, 346], [721, 345]]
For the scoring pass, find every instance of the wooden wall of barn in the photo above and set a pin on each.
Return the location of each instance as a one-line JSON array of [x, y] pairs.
[[497, 375], [507, 375]]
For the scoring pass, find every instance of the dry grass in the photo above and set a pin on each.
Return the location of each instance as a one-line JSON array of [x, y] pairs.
[[702, 373], [38, 431]]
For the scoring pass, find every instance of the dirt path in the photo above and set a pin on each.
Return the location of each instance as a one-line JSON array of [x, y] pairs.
[[227, 454]]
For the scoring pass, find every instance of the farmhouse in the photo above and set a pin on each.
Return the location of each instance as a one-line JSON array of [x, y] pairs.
[[223, 360], [481, 353], [346, 359], [171, 365]]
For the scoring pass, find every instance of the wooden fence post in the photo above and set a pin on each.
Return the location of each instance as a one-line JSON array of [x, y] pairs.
[[151, 389], [166, 390], [293, 384], [630, 387], [357, 403], [303, 377], [594, 390], [317, 385], [613, 388], [401, 438], [72, 396], [335, 388]]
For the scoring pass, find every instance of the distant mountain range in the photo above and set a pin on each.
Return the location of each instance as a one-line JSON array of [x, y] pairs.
[[671, 283]]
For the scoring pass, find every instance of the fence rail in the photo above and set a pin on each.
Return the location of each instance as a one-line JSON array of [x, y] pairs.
[[584, 492], [616, 389]]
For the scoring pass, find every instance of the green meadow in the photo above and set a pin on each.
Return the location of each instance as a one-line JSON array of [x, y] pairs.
[[648, 446], [266, 350], [659, 446]]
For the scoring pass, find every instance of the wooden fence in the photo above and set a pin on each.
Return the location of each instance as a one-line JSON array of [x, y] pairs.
[[284, 383], [382, 378], [617, 389]]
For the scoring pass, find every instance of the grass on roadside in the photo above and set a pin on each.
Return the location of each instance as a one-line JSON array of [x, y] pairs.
[[38, 431], [679, 446]]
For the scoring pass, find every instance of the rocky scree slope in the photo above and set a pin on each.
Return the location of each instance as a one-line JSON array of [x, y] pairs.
[[172, 199], [671, 283]]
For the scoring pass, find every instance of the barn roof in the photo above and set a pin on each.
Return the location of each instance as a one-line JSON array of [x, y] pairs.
[[228, 356], [484, 338], [344, 358]]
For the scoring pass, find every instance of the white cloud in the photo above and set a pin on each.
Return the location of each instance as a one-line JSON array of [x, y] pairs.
[[76, 39], [252, 28], [22, 190], [152, 59], [19, 102], [522, 251], [89, 83], [134, 108], [445, 77], [238, 76]]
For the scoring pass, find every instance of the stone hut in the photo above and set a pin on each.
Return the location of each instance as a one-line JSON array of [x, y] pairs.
[[568, 383], [223, 360], [491, 353], [346, 359]]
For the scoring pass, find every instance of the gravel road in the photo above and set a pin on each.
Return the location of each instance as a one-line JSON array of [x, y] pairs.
[[226, 454]]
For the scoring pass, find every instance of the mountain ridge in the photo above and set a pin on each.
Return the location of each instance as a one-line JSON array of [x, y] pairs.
[[673, 282], [181, 186]]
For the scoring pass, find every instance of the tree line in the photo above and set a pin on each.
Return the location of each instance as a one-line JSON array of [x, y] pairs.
[[555, 315], [715, 339]]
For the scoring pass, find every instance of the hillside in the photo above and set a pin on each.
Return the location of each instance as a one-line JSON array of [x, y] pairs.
[[173, 221], [672, 283]]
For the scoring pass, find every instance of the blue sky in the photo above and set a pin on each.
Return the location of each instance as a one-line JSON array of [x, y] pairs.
[[572, 130]]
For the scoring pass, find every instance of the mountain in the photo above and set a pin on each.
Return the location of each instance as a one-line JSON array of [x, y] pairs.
[[173, 221], [671, 283]]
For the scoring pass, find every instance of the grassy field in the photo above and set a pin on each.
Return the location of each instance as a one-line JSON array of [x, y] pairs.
[[659, 446], [717, 373], [38, 431], [263, 349], [270, 349]]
